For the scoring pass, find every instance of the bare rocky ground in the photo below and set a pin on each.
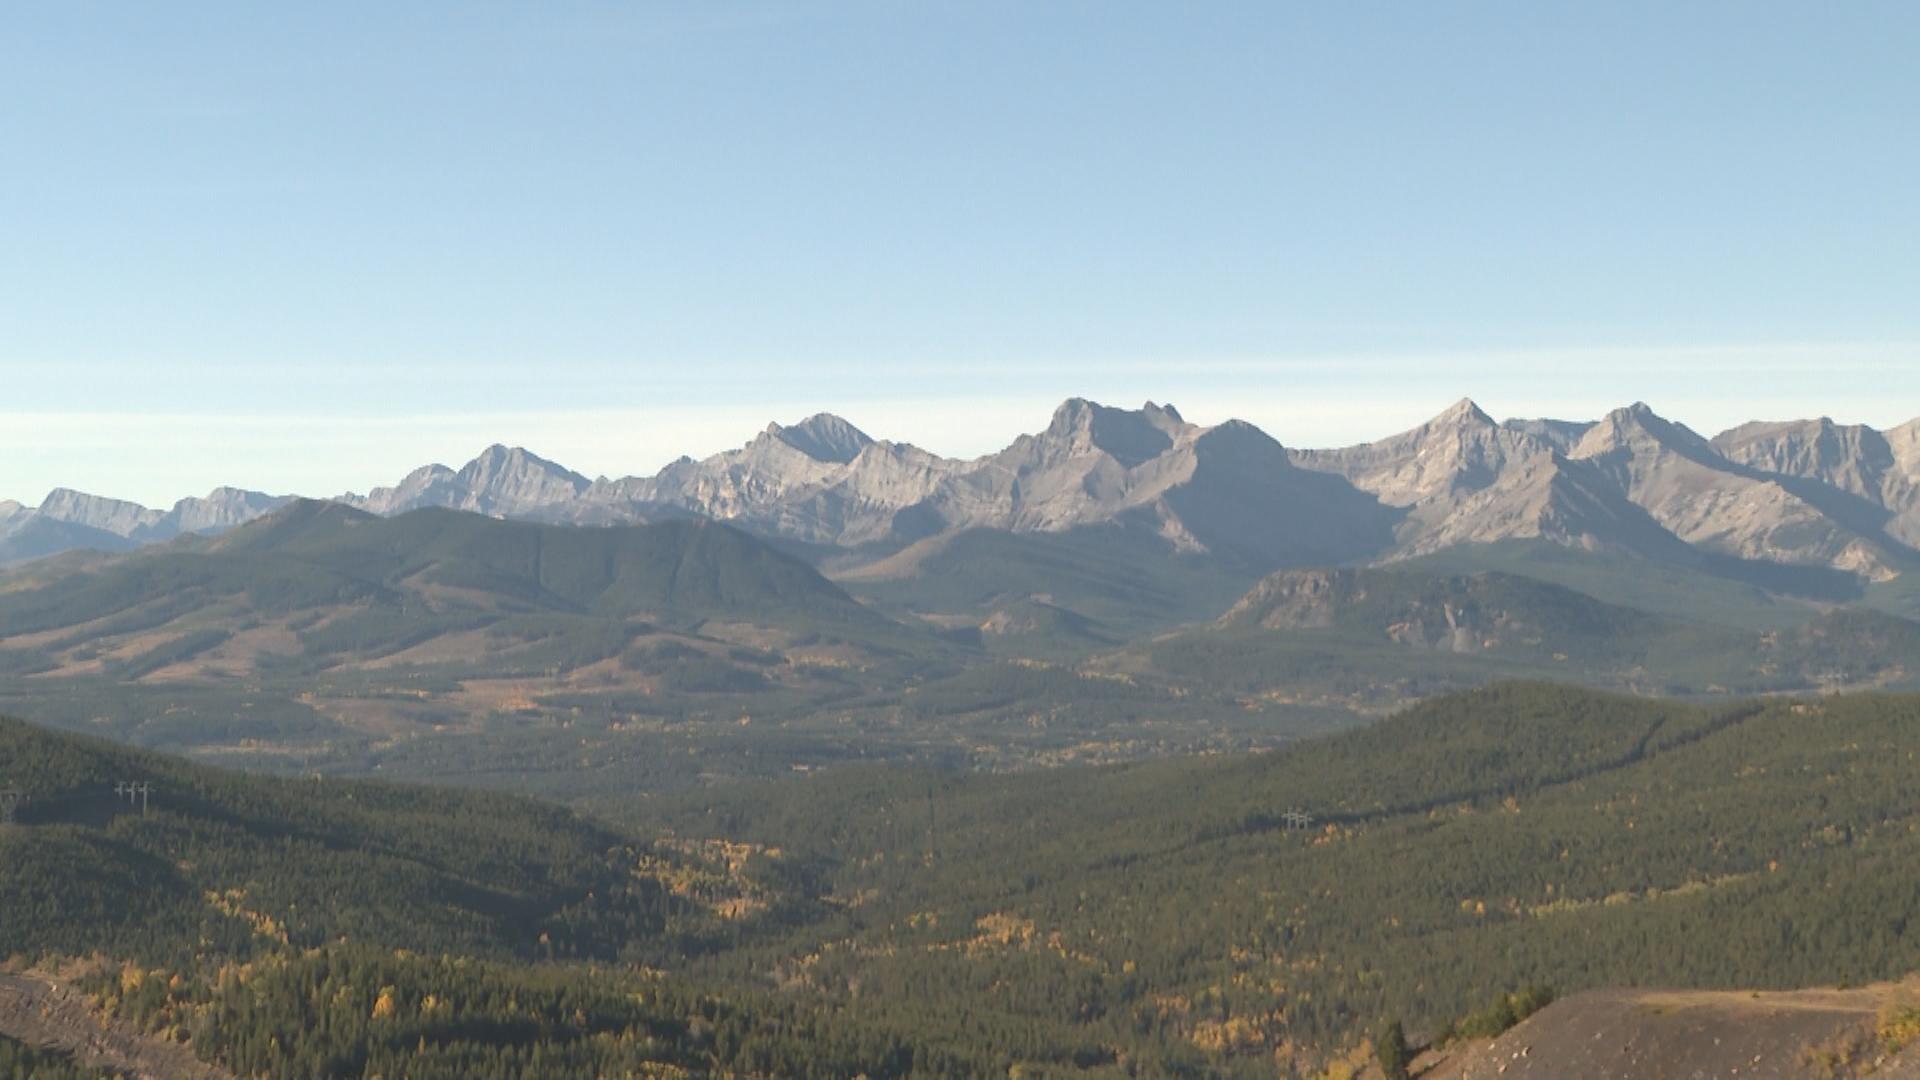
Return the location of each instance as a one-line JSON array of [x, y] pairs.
[[37, 1008], [1694, 1035]]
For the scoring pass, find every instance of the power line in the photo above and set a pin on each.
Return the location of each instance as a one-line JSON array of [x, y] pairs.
[[132, 789]]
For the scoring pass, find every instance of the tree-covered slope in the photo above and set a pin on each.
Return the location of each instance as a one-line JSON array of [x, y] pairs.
[[1164, 918], [338, 929], [1111, 584], [313, 553], [209, 856], [1520, 835], [322, 627], [1375, 637]]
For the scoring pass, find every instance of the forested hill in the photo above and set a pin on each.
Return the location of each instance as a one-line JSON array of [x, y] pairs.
[[1366, 636], [207, 855], [1164, 918], [339, 928], [688, 565], [314, 554], [283, 629], [1476, 845]]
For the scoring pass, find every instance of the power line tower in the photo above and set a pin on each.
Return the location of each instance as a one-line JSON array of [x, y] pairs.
[[11, 799], [1297, 820], [131, 790]]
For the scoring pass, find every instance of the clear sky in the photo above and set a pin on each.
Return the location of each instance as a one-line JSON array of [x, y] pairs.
[[305, 247]]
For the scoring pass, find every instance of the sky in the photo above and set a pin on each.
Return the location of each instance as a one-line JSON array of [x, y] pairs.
[[306, 248]]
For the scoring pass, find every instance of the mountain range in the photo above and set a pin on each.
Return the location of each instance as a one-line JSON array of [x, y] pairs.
[[1815, 496]]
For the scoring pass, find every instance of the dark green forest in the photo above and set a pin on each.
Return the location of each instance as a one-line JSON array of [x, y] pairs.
[[1158, 918]]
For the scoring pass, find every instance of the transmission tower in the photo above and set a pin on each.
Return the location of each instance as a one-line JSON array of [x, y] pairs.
[[11, 799], [134, 789]]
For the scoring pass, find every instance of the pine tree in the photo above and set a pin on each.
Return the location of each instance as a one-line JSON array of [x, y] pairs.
[[1392, 1052]]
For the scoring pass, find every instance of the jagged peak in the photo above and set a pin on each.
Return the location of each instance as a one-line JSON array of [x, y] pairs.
[[1230, 435], [500, 452], [500, 458], [67, 494], [1078, 411], [1821, 427], [1129, 437], [1637, 424], [434, 469], [1073, 411], [1638, 416], [1464, 411], [65, 499], [823, 437], [227, 493]]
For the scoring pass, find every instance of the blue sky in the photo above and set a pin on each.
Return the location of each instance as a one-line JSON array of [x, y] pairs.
[[306, 247]]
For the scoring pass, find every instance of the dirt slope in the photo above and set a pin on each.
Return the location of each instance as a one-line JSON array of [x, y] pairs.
[[1695, 1035], [36, 1009]]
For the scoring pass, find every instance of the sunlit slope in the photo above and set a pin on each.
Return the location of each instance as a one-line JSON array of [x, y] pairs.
[[1520, 835]]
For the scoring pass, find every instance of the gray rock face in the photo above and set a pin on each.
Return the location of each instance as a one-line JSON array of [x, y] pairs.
[[501, 482], [223, 508], [68, 520], [125, 519], [1464, 479], [823, 437], [1442, 462], [822, 480], [1560, 434], [1801, 493], [1853, 458], [1466, 613], [1707, 500], [1228, 490], [1878, 468], [1632, 481]]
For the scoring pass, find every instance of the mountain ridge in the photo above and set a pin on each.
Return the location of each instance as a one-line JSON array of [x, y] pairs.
[[1806, 494]]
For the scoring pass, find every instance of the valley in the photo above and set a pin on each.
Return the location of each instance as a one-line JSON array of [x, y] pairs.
[[1081, 760], [1151, 917], [1119, 586]]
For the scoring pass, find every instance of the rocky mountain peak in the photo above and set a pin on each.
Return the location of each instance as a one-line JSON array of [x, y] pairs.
[[1456, 453], [1809, 493], [116, 516], [1131, 438], [505, 479], [823, 437], [1637, 428], [1562, 435], [223, 508], [1852, 457], [1905, 442], [499, 460], [1464, 412]]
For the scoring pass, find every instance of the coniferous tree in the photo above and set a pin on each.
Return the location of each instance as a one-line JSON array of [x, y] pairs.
[[1392, 1052]]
